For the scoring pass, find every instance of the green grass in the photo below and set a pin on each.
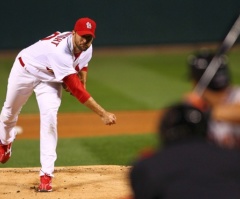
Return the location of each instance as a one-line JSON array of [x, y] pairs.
[[105, 150]]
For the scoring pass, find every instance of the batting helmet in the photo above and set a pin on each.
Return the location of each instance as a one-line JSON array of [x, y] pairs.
[[181, 122], [199, 62]]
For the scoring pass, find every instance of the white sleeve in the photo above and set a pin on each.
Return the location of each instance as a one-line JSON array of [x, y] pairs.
[[61, 66]]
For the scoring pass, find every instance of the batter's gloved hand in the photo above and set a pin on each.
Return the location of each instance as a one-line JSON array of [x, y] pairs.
[[108, 118], [197, 101]]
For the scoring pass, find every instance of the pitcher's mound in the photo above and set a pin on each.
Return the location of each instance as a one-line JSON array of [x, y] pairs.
[[81, 182]]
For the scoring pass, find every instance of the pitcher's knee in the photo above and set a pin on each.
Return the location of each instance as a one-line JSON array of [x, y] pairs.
[[7, 118]]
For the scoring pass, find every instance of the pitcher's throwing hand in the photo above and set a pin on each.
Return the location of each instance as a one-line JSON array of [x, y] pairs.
[[109, 118]]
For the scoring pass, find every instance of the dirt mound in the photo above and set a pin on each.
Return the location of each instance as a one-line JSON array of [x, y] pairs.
[[83, 182]]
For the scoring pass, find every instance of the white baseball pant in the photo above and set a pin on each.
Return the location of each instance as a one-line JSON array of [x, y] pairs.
[[21, 84]]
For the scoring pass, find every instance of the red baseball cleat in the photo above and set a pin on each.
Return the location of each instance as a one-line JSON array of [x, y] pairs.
[[45, 183], [5, 152]]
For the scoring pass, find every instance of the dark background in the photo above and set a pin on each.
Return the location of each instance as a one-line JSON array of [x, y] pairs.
[[119, 22]]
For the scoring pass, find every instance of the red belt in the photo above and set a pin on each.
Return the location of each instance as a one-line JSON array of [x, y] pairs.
[[21, 61]]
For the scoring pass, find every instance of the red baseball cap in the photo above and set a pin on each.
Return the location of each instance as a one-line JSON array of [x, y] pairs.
[[85, 26]]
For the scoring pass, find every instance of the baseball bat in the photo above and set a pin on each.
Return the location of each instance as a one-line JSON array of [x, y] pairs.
[[213, 66]]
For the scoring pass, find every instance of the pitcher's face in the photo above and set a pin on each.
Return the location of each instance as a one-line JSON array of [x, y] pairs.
[[81, 43]]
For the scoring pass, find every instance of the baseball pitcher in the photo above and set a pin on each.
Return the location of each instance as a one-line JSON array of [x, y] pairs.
[[60, 59]]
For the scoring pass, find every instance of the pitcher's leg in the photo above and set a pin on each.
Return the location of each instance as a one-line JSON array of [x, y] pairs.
[[49, 99], [20, 87]]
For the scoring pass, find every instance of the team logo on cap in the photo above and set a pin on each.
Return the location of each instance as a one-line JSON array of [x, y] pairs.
[[89, 25]]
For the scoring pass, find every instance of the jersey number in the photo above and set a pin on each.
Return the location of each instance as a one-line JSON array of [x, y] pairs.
[[51, 36]]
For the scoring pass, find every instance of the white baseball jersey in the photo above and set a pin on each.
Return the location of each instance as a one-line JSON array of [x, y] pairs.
[[52, 58], [219, 130]]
